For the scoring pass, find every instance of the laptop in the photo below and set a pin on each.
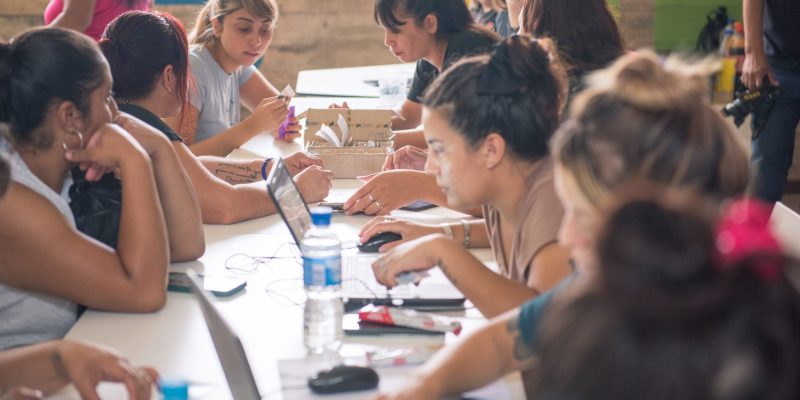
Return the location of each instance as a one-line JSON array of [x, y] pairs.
[[228, 345], [359, 285]]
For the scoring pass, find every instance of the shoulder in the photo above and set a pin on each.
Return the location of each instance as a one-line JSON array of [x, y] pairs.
[[18, 206]]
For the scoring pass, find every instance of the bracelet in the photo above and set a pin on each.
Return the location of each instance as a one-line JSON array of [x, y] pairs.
[[264, 168], [467, 232], [448, 230]]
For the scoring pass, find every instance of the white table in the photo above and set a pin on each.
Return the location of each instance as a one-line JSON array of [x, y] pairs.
[[175, 340], [349, 82]]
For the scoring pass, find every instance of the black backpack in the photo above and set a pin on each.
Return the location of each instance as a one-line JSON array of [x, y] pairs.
[[708, 40]]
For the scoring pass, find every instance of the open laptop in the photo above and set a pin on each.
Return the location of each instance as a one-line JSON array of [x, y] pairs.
[[228, 345], [358, 281]]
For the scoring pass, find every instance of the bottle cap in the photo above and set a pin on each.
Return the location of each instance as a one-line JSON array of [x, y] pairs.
[[174, 389], [321, 216]]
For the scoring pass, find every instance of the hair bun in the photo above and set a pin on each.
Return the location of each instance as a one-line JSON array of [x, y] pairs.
[[644, 81]]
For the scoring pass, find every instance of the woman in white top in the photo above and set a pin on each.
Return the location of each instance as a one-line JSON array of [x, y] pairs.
[[61, 116]]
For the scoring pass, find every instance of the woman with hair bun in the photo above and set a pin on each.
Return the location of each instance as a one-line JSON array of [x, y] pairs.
[[488, 120], [686, 305], [639, 120], [55, 97]]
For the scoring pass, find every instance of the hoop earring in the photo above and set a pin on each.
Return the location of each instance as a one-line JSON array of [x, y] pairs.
[[64, 141]]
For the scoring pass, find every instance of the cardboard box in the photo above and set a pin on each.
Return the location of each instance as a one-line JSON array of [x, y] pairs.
[[369, 140]]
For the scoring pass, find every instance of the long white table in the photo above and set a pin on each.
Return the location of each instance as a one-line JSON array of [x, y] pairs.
[[349, 82], [175, 340]]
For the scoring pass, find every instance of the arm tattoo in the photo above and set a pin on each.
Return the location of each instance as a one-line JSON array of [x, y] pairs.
[[446, 272], [522, 351], [236, 174]]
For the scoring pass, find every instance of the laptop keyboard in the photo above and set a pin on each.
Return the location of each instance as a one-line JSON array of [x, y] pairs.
[[359, 281]]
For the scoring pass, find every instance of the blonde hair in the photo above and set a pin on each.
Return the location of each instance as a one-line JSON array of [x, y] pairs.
[[644, 120], [203, 32]]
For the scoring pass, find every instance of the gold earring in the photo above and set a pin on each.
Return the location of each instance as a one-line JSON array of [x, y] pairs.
[[80, 139]]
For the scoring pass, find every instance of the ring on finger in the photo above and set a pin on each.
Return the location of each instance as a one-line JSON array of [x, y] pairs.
[[388, 218], [380, 207], [369, 196]]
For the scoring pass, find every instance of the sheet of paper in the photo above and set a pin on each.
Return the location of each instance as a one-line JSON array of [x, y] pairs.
[[342, 123], [327, 134]]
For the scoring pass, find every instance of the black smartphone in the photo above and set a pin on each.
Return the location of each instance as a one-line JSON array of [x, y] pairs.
[[418, 205], [220, 286], [335, 206]]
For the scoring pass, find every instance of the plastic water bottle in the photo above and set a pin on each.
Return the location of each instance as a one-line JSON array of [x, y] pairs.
[[322, 276]]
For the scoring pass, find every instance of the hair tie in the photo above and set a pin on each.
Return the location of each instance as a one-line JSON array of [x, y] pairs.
[[497, 78], [742, 232]]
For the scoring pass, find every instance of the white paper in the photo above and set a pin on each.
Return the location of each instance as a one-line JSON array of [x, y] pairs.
[[327, 134], [344, 129], [288, 91]]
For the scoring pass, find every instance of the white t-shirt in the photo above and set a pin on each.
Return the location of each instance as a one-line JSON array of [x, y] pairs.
[[217, 94]]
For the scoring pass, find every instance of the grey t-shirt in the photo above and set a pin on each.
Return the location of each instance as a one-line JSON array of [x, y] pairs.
[[29, 317], [216, 95]]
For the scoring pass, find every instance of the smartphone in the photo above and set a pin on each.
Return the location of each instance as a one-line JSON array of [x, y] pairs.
[[335, 206], [418, 205], [220, 286], [352, 326]]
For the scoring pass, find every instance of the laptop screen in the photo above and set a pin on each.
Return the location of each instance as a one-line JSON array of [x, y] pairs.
[[288, 201]]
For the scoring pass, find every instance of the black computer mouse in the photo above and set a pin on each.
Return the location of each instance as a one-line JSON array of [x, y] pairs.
[[343, 378], [374, 243]]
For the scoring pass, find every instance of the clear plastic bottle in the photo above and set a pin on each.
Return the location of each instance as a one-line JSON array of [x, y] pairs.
[[726, 42], [322, 276]]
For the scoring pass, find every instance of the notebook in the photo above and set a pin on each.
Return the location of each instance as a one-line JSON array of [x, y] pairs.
[[358, 281]]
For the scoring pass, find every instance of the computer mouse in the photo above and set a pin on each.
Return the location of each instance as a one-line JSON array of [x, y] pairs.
[[343, 378], [374, 243]]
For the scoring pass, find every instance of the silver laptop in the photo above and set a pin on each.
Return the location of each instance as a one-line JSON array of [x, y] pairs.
[[359, 285], [228, 345]]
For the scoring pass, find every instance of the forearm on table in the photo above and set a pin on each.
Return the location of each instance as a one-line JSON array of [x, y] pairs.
[[142, 245], [235, 171], [238, 203], [181, 207], [31, 367], [478, 359], [480, 284]]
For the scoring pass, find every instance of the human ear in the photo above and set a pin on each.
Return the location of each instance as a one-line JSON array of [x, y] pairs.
[[431, 24], [493, 150], [168, 78], [216, 26], [68, 117]]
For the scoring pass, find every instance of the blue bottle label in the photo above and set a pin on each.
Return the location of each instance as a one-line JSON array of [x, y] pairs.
[[325, 271]]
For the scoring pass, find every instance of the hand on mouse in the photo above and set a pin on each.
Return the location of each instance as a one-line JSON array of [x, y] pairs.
[[419, 254], [408, 230]]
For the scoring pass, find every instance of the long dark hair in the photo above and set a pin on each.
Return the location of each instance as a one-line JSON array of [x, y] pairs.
[[665, 320], [453, 15], [138, 46], [39, 67], [584, 31], [525, 116]]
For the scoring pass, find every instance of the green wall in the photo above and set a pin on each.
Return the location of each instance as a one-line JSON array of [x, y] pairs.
[[678, 22]]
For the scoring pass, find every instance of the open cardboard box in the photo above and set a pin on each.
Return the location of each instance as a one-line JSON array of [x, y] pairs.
[[369, 142]]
